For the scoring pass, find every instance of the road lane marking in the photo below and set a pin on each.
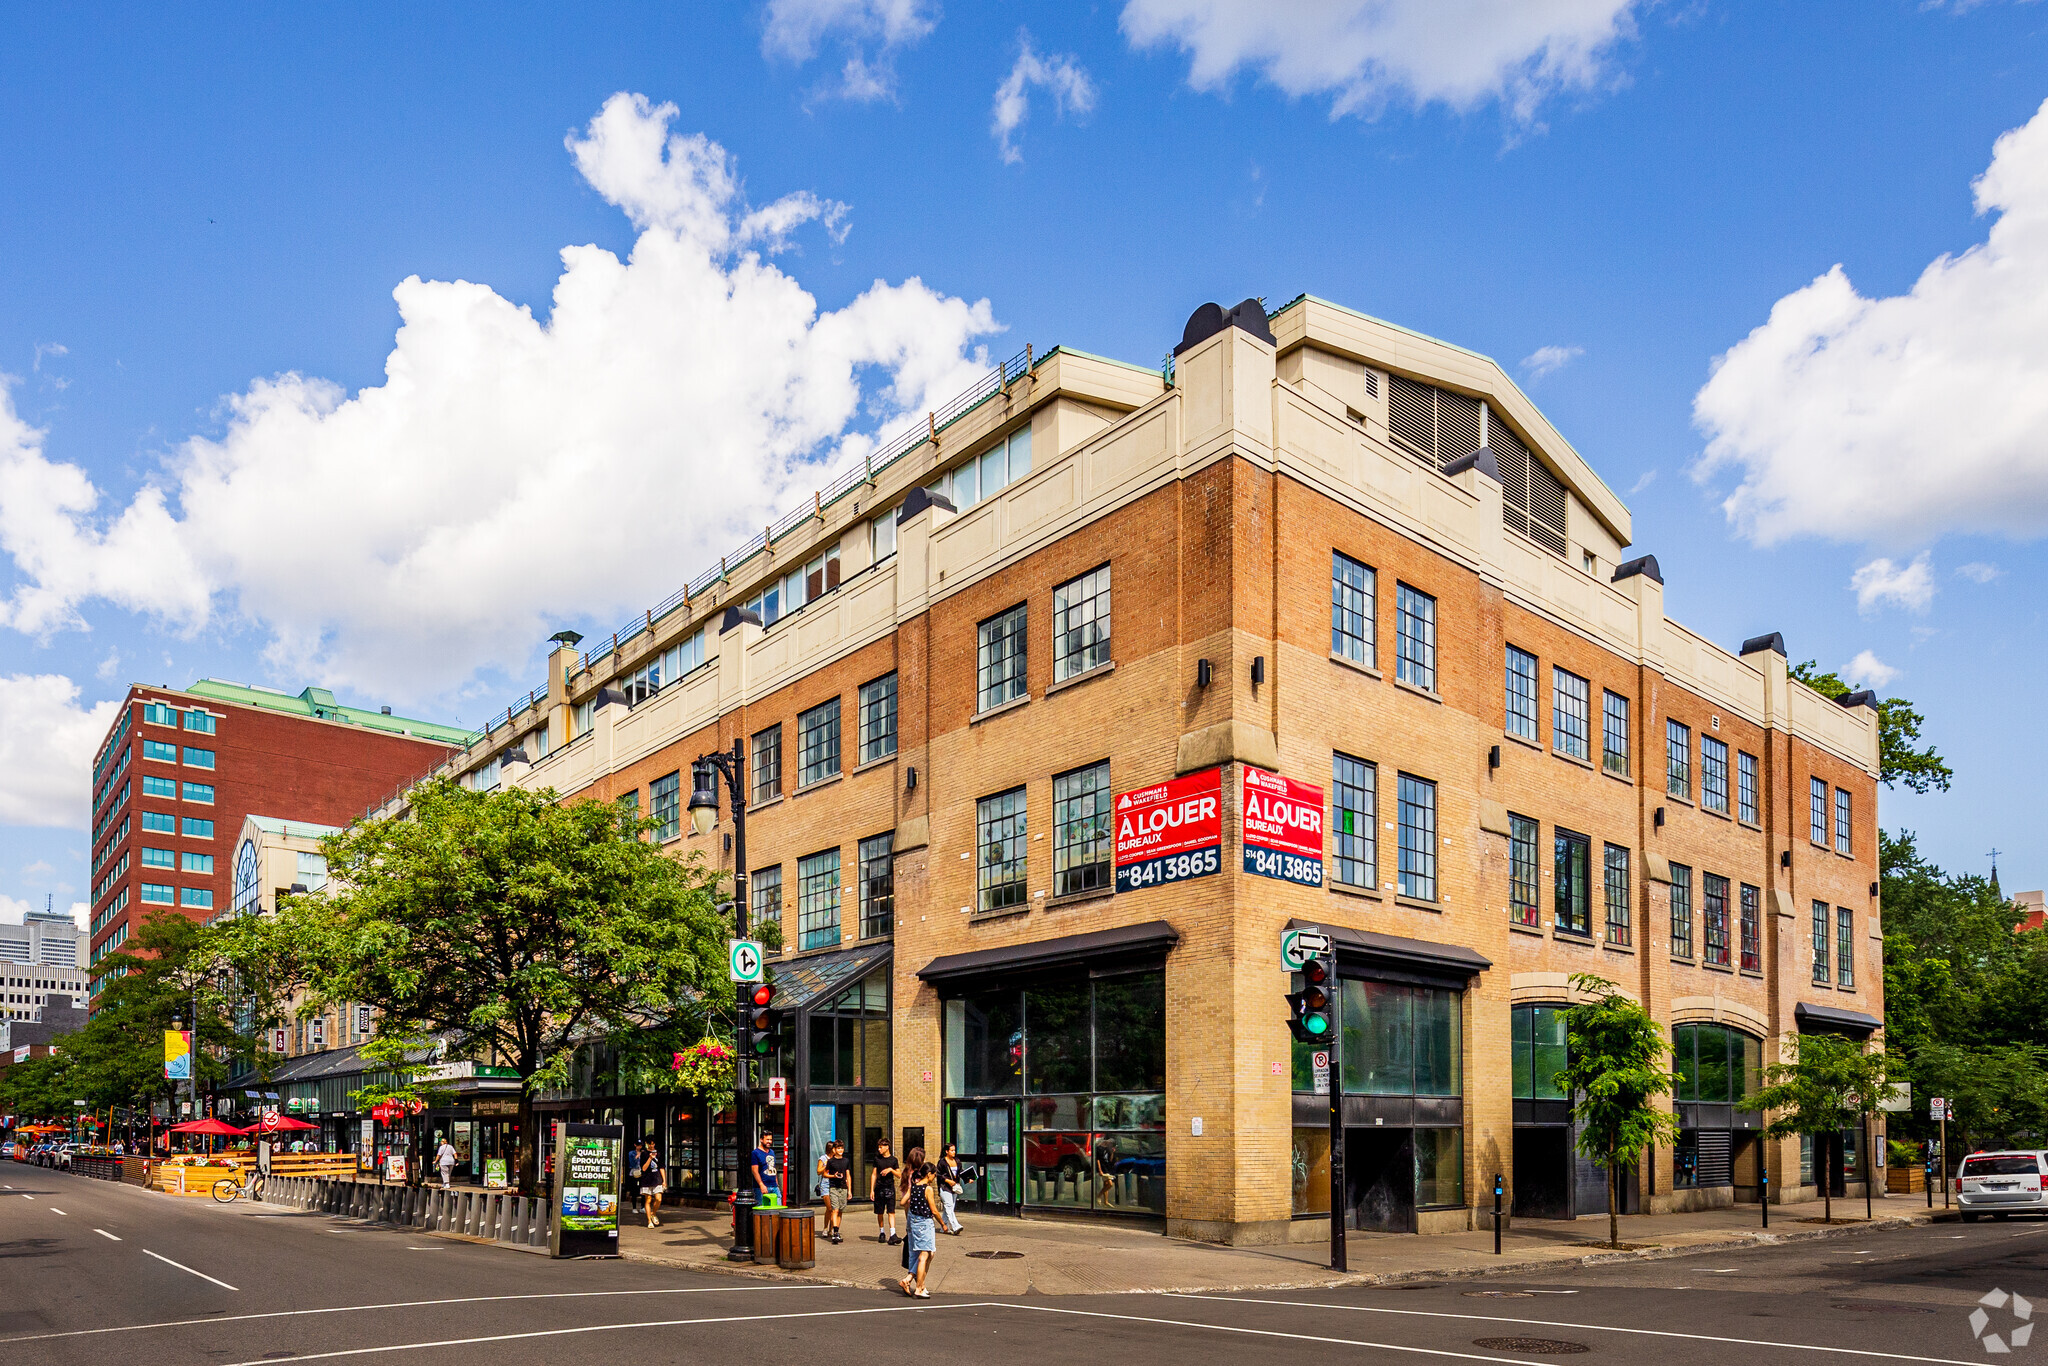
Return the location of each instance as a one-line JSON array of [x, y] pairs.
[[667, 1323], [415, 1304], [54, 1210], [104, 1234], [1582, 1327], [182, 1267], [1253, 1332]]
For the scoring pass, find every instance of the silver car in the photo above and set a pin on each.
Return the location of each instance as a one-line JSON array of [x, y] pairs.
[[1999, 1184]]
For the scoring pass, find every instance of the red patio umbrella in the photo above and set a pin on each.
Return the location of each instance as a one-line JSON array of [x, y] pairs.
[[271, 1124], [207, 1126]]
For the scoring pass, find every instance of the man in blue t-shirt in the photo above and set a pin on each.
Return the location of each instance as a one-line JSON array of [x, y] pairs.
[[761, 1166]]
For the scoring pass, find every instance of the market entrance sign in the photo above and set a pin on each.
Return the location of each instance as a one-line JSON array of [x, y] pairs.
[[1170, 832]]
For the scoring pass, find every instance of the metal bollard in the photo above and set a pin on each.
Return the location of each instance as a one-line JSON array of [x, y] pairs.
[[1497, 1191]]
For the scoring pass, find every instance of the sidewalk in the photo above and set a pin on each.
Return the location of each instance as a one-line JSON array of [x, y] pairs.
[[1060, 1257]]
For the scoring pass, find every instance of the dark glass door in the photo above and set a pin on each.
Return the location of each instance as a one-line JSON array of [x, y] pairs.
[[985, 1132]]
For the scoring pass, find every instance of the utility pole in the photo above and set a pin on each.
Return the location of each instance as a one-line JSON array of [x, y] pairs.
[[705, 773]]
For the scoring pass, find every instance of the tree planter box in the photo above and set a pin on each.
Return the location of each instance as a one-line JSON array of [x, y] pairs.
[[1905, 1180]]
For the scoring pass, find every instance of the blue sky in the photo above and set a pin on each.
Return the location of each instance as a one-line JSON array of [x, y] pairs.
[[203, 470]]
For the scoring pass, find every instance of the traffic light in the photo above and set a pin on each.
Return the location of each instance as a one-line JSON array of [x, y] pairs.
[[764, 1022], [1308, 1010]]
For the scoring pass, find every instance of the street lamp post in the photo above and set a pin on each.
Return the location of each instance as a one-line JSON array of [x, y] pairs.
[[704, 775]]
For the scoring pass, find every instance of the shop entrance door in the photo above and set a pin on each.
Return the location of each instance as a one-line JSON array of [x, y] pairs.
[[985, 1132]]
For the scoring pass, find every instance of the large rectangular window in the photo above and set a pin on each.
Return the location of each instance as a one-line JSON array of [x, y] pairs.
[[1081, 831], [1080, 624], [1354, 807], [1399, 1040], [1820, 943], [198, 758], [1817, 811], [1745, 788], [153, 786], [198, 792], [157, 892], [1842, 822], [1353, 595], [199, 722], [1418, 838], [1522, 834], [999, 847], [1677, 759], [817, 744], [1681, 911], [764, 892], [195, 828], [1521, 693], [165, 822], [1845, 947], [1617, 887], [196, 863], [878, 718], [199, 898], [1714, 917], [159, 714], [877, 885], [1572, 874], [767, 765], [1415, 637], [1570, 714], [160, 751], [999, 659], [817, 900], [1614, 733], [1537, 1052], [1752, 932], [1713, 774], [159, 858], [665, 804]]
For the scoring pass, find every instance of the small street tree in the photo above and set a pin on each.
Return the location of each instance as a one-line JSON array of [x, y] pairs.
[[1614, 1073], [1818, 1093], [512, 926]]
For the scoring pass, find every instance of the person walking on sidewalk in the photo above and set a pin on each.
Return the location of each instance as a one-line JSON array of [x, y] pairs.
[[921, 1204], [444, 1158], [833, 1167], [647, 1166], [882, 1191], [949, 1188]]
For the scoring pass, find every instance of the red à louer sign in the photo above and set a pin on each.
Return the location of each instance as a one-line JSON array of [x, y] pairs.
[[1170, 818], [1283, 813]]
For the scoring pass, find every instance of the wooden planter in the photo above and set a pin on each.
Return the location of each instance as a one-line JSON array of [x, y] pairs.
[[1905, 1180]]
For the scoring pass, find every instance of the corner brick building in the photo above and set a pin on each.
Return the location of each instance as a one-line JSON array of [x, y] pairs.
[[1321, 549], [180, 769]]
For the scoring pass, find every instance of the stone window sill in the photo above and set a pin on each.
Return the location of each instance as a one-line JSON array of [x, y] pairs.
[[1074, 680], [1523, 741], [1519, 928], [886, 759], [1619, 948], [1357, 665], [1717, 814], [1011, 705], [1346, 889], [763, 806], [1568, 937], [1418, 904], [1572, 759], [1435, 697], [821, 783], [1624, 779], [1080, 898], [1718, 967]]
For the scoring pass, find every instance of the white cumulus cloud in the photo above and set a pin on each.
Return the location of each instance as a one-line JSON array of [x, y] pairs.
[[869, 32], [1868, 671], [47, 741], [1901, 585], [1366, 54], [1977, 571], [1903, 418], [510, 475], [1548, 360], [1060, 76]]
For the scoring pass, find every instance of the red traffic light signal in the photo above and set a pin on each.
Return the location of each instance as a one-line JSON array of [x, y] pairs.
[[763, 993], [763, 1020]]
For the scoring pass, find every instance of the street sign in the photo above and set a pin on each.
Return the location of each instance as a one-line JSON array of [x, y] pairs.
[[1937, 1107], [746, 959], [1321, 1061], [1298, 944], [778, 1091]]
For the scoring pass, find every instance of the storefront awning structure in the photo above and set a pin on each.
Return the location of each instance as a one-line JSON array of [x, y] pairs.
[[1394, 958], [1834, 1020], [807, 982], [1134, 943]]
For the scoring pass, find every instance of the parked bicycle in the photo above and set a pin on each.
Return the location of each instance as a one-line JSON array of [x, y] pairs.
[[227, 1190]]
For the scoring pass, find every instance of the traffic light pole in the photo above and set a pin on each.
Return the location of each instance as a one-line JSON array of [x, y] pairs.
[[1337, 1251], [732, 766]]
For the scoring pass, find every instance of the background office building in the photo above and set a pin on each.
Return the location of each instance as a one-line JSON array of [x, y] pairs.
[[1062, 709], [43, 962], [179, 770]]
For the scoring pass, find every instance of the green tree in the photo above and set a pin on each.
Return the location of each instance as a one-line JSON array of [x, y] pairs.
[[1614, 1072], [1820, 1092], [514, 928], [1998, 1092], [1898, 729]]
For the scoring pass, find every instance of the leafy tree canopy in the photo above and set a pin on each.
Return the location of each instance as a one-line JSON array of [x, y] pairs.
[[1898, 730]]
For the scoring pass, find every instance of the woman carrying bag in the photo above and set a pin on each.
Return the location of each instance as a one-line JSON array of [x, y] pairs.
[[651, 1183], [922, 1207]]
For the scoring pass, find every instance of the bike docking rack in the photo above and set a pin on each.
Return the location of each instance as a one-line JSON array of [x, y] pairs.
[[494, 1216]]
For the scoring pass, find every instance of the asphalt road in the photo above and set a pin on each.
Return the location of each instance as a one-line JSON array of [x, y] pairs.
[[93, 1272]]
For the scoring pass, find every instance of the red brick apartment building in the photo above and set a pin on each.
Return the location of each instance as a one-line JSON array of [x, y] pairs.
[[179, 770], [1324, 560]]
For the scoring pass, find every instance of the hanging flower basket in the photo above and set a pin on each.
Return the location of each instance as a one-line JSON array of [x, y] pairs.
[[706, 1068]]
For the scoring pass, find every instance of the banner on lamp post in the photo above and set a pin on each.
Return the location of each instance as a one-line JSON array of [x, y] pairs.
[[177, 1055]]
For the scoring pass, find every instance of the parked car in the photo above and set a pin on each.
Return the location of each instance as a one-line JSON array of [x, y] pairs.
[[1998, 1184], [62, 1157]]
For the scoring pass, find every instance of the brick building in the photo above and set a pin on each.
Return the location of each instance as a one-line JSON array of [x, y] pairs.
[[1327, 562], [179, 770]]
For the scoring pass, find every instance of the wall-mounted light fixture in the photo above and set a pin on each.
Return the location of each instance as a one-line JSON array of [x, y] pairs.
[[1873, 889], [1493, 757], [1784, 858], [910, 779], [1203, 672], [1258, 670], [1657, 818]]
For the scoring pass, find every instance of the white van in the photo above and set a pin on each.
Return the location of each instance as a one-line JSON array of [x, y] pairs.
[[2000, 1183]]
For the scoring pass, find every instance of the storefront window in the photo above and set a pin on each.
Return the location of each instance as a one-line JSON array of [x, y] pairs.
[[1130, 1033], [1538, 1042], [985, 1045], [1399, 1040], [1714, 1064], [1057, 1046], [1311, 1176], [1439, 1167]]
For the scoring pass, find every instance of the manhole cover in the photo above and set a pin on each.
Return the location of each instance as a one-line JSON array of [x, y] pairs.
[[1873, 1307], [1497, 1295], [993, 1256], [1542, 1347]]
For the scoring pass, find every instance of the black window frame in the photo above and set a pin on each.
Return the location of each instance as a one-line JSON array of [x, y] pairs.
[[1090, 832], [1000, 672], [878, 718]]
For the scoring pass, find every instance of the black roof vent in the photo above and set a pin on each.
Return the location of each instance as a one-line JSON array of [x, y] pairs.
[[1866, 698], [738, 616], [1481, 460], [606, 696], [920, 498], [1206, 321], [1774, 642], [1645, 565]]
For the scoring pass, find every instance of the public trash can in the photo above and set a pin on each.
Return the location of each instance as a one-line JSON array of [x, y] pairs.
[[766, 1223], [797, 1249]]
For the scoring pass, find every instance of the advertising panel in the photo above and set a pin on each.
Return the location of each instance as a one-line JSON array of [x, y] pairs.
[[178, 1054], [495, 1175], [1170, 832], [586, 1192], [1283, 828]]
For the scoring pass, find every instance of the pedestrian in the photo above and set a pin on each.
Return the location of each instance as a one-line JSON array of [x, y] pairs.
[[648, 1167], [833, 1167], [949, 1187], [882, 1191], [444, 1158], [921, 1205], [761, 1167]]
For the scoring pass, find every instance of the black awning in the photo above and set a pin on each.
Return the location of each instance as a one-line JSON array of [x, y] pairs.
[[1153, 939], [1832, 1017], [1390, 955]]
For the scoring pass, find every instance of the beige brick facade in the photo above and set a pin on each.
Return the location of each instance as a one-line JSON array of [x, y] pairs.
[[1217, 502]]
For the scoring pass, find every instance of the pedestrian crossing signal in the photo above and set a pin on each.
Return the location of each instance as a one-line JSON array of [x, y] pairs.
[[1308, 1010]]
